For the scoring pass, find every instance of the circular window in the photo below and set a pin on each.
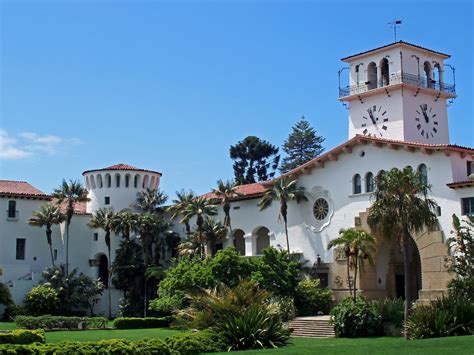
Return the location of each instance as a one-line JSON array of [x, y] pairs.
[[320, 209]]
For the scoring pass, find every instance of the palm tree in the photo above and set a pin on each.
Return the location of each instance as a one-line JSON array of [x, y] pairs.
[[104, 219], [48, 215], [283, 191], [213, 231], [150, 226], [226, 191], [200, 207], [125, 223], [358, 246], [70, 192], [183, 199], [150, 200], [401, 207]]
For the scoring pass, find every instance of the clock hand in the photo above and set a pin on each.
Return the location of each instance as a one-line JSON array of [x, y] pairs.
[[425, 115], [371, 115]]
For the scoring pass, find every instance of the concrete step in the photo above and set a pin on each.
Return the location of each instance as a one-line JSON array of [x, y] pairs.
[[313, 327]]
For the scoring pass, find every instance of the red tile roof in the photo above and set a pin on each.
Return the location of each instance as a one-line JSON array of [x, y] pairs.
[[122, 167], [394, 44], [79, 207], [461, 184], [246, 191], [10, 188]]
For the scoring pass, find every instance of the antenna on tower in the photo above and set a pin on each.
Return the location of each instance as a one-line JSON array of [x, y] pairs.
[[395, 24]]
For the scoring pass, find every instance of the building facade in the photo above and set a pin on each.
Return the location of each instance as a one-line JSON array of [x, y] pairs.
[[397, 103]]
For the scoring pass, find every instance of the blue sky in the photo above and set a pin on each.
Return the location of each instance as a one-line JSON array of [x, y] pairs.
[[169, 86]]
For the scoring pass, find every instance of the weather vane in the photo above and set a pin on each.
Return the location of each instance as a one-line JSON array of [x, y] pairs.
[[395, 24]]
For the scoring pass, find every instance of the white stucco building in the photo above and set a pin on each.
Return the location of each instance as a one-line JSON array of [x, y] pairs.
[[397, 104]]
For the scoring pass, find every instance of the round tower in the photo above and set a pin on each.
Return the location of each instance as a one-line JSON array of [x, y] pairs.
[[117, 186]]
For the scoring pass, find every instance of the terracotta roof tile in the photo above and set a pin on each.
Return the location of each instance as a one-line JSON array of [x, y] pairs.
[[460, 184], [246, 191], [21, 189], [393, 44], [79, 207], [122, 167]]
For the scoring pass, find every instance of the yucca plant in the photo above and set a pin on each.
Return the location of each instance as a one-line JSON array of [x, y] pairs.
[[254, 328]]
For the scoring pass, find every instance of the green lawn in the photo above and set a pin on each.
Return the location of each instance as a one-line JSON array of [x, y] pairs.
[[94, 335], [7, 325], [375, 346]]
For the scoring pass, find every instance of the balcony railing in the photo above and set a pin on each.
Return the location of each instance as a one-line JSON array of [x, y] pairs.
[[398, 79]]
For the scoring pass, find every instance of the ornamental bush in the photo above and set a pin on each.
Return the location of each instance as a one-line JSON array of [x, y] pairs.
[[311, 298], [114, 346], [58, 322], [354, 318], [391, 310], [443, 317], [42, 299], [138, 323], [21, 336]]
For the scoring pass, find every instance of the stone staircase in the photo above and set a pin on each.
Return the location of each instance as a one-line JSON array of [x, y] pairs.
[[311, 327]]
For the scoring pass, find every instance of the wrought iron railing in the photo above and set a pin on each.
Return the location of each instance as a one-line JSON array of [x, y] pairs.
[[398, 79]]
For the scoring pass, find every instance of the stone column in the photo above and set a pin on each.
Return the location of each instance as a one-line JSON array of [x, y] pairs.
[[250, 244]]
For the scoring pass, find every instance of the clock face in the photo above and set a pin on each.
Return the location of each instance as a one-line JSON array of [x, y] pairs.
[[375, 121], [426, 121]]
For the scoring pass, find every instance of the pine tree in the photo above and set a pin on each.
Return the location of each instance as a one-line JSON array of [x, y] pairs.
[[254, 160], [301, 146]]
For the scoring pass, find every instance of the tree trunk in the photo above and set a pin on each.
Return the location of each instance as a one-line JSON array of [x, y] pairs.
[[109, 296], [67, 247], [188, 228], [356, 266], [50, 243], [406, 266], [349, 274], [284, 214]]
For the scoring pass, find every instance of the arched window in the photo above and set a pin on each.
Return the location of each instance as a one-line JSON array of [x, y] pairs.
[[263, 240], [145, 182], [99, 181], [371, 76], [239, 241], [356, 184], [127, 180], [423, 171], [437, 76], [136, 181], [108, 180], [92, 181], [369, 182], [428, 74], [117, 180], [152, 182], [384, 72]]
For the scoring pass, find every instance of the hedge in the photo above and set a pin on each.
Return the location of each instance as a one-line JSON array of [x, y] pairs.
[[21, 336], [196, 343], [115, 346], [138, 323], [58, 322]]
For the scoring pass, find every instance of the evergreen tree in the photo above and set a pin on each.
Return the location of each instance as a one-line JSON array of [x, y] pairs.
[[254, 160], [301, 146]]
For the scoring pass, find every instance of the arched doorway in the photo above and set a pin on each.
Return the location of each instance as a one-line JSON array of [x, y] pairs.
[[103, 273], [372, 76], [263, 239], [239, 241], [384, 72]]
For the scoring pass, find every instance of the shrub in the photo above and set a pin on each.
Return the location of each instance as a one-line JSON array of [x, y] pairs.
[[11, 311], [58, 322], [195, 343], [115, 346], [254, 328], [356, 318], [391, 310], [462, 287], [137, 323], [5, 295], [285, 307], [442, 317], [311, 298], [42, 299], [21, 336]]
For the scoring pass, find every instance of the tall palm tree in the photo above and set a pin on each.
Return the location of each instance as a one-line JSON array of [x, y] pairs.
[[48, 215], [150, 200], [71, 193], [226, 191], [150, 226], [183, 199], [214, 232], [402, 207], [283, 191], [200, 207], [104, 219], [358, 246], [125, 223]]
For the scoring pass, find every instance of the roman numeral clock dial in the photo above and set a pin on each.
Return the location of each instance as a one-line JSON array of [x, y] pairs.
[[375, 121], [426, 122]]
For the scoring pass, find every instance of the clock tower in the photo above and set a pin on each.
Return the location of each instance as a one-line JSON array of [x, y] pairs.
[[398, 92]]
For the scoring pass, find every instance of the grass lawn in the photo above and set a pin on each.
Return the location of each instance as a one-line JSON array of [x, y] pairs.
[[7, 325], [384, 345], [95, 335]]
